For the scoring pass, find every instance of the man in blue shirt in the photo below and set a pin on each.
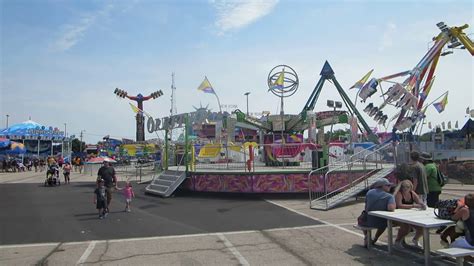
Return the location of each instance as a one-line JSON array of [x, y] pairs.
[[379, 199]]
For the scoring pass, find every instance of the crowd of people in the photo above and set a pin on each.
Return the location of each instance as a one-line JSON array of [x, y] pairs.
[[13, 164], [420, 190], [50, 164]]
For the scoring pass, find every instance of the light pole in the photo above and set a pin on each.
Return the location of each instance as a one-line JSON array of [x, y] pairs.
[[7, 120], [247, 94], [80, 145], [335, 105]]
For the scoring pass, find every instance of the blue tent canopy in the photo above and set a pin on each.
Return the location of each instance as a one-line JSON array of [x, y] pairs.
[[32, 130]]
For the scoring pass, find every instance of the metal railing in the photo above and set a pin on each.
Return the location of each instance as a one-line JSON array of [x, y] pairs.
[[135, 170], [294, 156], [371, 162]]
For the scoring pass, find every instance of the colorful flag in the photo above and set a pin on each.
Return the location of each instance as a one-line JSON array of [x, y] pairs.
[[206, 86], [135, 109], [279, 83], [427, 89], [441, 105], [362, 81]]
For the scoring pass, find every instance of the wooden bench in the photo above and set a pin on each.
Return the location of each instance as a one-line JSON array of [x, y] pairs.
[[458, 253], [368, 237]]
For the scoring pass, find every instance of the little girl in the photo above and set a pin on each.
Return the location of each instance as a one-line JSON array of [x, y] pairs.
[[128, 195]]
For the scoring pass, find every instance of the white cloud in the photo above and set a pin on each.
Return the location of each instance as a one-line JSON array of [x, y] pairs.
[[387, 36], [233, 15], [73, 33]]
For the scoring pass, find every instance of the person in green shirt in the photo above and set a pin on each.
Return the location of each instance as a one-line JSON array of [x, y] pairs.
[[434, 188]]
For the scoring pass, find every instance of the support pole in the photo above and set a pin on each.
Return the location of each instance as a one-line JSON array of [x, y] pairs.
[[346, 99], [23, 155], [165, 165], [186, 138]]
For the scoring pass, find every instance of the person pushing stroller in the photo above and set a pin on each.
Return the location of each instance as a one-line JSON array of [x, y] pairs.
[[52, 175]]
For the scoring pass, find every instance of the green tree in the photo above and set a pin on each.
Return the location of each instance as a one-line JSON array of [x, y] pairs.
[[76, 145], [425, 137], [336, 134]]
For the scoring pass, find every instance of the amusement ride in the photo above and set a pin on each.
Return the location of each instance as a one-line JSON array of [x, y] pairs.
[[236, 152]]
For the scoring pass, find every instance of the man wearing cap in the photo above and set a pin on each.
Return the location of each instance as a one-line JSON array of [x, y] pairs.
[[419, 180], [379, 199], [107, 173], [434, 188]]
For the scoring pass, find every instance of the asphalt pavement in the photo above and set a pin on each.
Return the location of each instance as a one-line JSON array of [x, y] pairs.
[[60, 226], [33, 213]]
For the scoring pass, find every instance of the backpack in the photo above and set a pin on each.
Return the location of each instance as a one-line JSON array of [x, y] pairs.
[[441, 178], [444, 209], [362, 219]]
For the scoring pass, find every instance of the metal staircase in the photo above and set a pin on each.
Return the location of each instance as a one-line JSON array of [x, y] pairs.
[[337, 197], [166, 183], [375, 163]]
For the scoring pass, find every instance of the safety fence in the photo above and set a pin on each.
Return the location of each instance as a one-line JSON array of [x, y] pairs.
[[249, 157]]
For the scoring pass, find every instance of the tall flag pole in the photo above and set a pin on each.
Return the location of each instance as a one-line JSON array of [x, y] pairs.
[[206, 87]]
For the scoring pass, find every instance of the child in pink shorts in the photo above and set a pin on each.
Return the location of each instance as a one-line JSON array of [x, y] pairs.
[[128, 195]]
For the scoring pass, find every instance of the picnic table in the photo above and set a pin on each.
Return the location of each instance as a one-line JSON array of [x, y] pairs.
[[422, 218]]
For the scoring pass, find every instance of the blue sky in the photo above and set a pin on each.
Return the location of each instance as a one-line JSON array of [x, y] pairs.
[[61, 60]]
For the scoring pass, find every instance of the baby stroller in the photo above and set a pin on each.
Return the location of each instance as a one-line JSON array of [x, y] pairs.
[[52, 176]]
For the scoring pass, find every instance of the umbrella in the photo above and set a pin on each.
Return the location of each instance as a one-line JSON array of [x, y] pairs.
[[15, 148], [101, 160], [4, 142]]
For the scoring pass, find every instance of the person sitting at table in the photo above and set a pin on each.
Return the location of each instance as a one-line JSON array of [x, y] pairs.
[[453, 231], [406, 198], [378, 199], [466, 214]]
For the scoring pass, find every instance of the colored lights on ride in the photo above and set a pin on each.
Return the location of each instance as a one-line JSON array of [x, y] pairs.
[[156, 94], [120, 93]]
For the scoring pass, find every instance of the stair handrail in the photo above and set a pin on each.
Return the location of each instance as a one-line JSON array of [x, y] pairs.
[[348, 164], [364, 162], [179, 163], [320, 169], [375, 151]]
